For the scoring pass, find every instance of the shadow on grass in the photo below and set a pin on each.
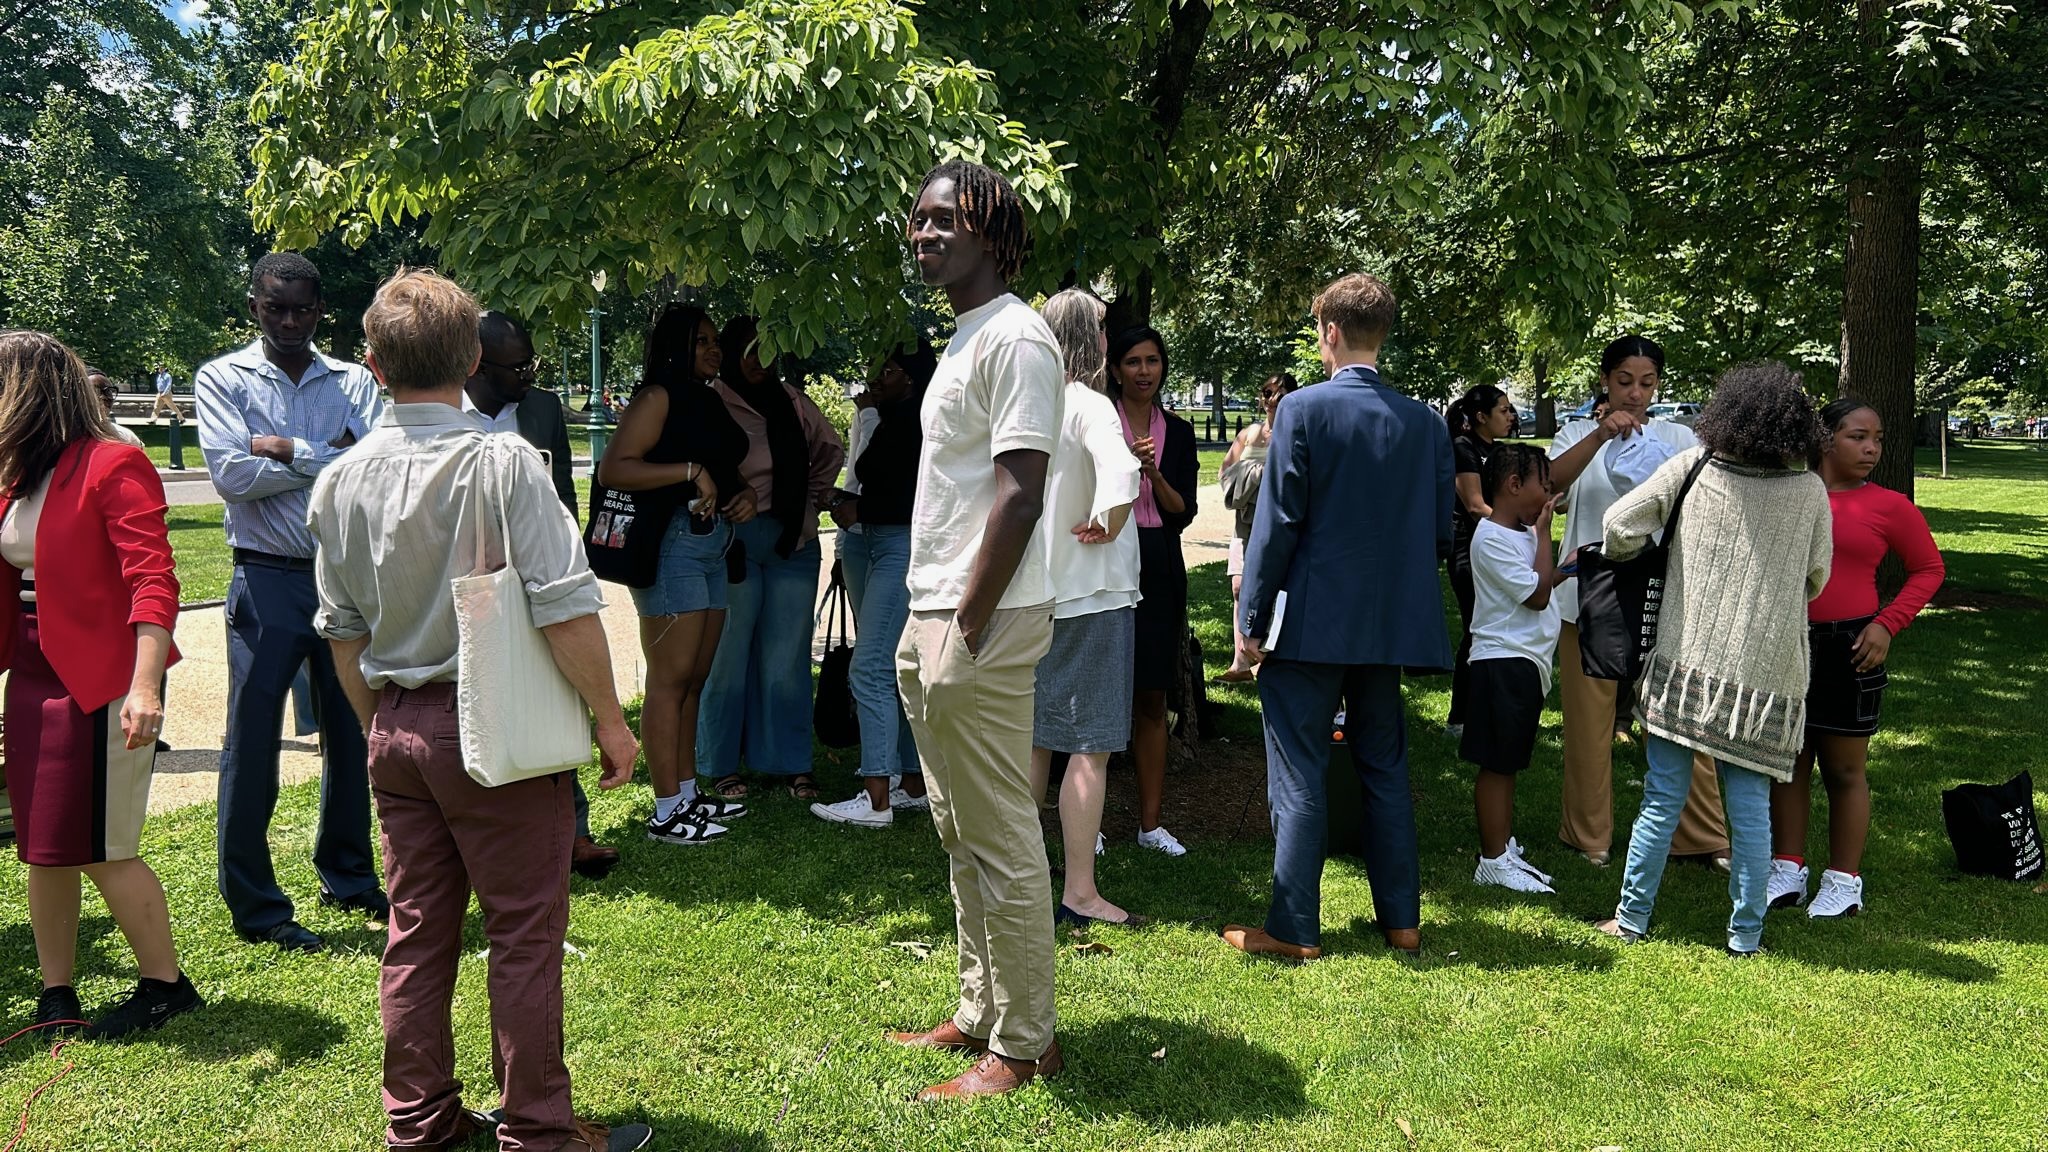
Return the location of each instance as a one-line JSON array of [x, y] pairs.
[[680, 1132], [233, 1029], [1174, 1074]]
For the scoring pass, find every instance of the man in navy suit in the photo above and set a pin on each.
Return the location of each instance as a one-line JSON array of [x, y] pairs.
[[1353, 517]]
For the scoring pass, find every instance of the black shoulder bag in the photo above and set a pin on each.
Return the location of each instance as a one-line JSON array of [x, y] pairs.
[[1619, 600], [833, 715], [623, 533]]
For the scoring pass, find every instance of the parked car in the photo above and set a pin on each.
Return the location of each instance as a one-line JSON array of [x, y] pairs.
[[1684, 412]]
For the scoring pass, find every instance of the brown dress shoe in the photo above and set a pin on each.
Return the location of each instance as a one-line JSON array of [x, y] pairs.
[[589, 858], [947, 1036], [994, 1075], [1258, 943], [1406, 940]]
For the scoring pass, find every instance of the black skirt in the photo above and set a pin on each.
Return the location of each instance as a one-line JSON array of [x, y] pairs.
[[1840, 700], [1501, 718], [1163, 611]]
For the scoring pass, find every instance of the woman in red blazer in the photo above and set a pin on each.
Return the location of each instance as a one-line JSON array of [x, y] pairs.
[[87, 602]]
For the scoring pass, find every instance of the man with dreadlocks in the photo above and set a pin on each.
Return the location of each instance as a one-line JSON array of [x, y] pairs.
[[981, 603]]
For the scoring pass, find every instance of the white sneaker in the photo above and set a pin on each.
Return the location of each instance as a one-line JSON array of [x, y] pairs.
[[1840, 895], [1522, 862], [898, 798], [1788, 884], [1160, 840], [859, 810], [1503, 872], [1099, 845]]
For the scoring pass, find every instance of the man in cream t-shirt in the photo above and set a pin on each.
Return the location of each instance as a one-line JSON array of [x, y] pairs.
[[980, 619]]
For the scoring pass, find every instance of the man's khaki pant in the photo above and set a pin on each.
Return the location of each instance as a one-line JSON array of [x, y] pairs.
[[971, 717], [1589, 715]]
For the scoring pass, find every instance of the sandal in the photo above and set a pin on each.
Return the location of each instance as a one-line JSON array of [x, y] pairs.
[[803, 786], [727, 787]]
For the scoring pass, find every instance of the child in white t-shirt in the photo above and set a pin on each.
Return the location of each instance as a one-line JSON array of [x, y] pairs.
[[1514, 640]]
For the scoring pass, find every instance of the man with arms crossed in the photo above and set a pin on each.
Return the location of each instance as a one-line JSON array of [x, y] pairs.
[[1353, 516], [980, 619], [395, 521], [501, 395], [272, 417]]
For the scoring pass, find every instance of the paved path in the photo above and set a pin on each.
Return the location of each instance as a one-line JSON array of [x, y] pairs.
[[196, 707]]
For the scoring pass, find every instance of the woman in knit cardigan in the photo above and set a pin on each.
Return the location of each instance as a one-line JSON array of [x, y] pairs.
[[1728, 675]]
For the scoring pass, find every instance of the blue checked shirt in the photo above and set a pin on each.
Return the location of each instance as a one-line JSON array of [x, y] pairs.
[[241, 396]]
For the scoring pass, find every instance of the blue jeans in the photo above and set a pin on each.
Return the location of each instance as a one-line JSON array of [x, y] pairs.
[[270, 638], [876, 560], [1299, 700], [1747, 797], [757, 701]]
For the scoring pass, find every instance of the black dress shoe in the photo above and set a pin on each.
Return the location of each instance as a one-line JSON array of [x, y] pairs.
[[59, 1004], [371, 902], [291, 936]]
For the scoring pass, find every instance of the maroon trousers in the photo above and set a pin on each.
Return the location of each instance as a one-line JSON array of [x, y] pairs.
[[445, 834]]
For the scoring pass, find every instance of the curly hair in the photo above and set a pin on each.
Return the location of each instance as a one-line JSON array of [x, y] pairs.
[[1761, 414]]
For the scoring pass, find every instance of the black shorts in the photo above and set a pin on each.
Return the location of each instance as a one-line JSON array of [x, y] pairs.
[[1840, 700], [1503, 709]]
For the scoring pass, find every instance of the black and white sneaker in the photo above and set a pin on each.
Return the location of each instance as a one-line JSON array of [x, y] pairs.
[[684, 826], [716, 809], [149, 1007]]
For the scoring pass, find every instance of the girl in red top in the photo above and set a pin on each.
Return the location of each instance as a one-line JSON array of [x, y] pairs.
[[1850, 637], [82, 520]]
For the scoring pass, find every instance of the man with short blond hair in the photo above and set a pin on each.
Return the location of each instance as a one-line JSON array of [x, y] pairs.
[[394, 521], [1353, 514]]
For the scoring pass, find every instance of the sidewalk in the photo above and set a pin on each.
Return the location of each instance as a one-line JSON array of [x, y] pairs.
[[195, 708]]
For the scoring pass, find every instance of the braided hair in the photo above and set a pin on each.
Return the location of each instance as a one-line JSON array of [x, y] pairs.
[[1510, 462], [989, 208]]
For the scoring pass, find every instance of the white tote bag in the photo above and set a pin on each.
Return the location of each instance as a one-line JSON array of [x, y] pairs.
[[520, 717]]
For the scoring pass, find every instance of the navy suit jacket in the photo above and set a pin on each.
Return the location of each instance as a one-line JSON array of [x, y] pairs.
[[1354, 515]]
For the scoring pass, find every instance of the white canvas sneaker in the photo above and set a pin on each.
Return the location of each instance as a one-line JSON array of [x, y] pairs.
[[1840, 895], [1503, 872], [1788, 884], [1099, 845], [1160, 840], [859, 811], [1522, 862], [898, 798]]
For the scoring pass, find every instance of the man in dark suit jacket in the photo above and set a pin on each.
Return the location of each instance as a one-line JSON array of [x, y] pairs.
[[504, 380], [1353, 516]]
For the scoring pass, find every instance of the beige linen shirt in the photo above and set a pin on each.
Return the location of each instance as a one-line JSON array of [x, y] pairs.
[[396, 520]]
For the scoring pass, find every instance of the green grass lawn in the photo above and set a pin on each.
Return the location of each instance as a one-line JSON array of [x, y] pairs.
[[735, 997]]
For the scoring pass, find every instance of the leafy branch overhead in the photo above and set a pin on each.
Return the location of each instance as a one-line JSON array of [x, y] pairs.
[[780, 143]]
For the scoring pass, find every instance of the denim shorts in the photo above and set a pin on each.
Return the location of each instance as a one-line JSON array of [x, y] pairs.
[[691, 577]]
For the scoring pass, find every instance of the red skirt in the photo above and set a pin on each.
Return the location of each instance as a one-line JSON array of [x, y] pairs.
[[79, 793]]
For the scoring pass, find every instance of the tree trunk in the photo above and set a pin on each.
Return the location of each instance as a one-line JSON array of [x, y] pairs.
[[1881, 282], [1546, 406], [1169, 72]]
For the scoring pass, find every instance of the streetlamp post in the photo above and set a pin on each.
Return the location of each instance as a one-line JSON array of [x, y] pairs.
[[600, 415]]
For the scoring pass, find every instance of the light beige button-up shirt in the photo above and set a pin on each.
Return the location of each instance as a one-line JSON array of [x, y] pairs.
[[396, 520]]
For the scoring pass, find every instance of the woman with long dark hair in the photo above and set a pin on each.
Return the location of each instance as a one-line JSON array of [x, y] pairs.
[[873, 515], [1591, 466], [1165, 447], [676, 442], [1244, 467], [757, 702], [1479, 418], [88, 598], [1849, 635]]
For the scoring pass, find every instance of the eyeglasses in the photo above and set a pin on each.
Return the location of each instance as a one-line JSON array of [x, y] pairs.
[[523, 368]]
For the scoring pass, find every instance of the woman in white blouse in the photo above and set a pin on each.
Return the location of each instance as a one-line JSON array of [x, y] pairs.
[[1084, 682]]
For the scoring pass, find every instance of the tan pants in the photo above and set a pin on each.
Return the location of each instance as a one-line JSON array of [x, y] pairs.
[[1589, 714], [971, 717]]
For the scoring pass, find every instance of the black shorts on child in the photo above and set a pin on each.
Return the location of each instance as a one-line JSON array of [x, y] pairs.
[[1503, 711], [1839, 699]]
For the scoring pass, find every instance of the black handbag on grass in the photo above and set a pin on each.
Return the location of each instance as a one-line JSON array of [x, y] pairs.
[[834, 717], [1619, 600], [1993, 829]]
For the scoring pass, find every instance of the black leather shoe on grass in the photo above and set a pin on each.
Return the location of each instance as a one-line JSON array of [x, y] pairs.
[[291, 936], [148, 1008], [59, 1004], [371, 902]]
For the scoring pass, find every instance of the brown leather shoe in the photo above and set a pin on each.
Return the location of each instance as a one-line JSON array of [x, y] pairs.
[[1258, 943], [589, 858], [994, 1075], [1405, 940], [947, 1036]]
